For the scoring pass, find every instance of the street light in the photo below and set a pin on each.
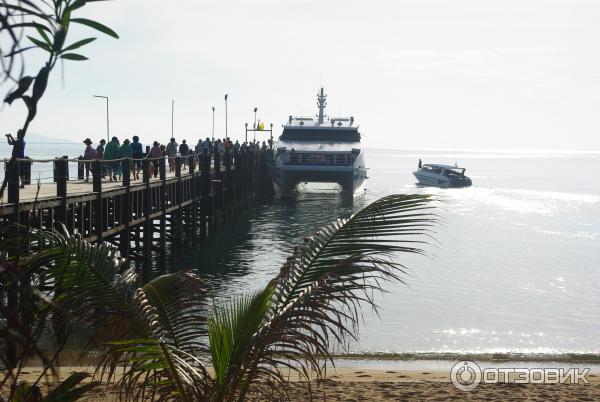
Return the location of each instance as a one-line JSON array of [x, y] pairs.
[[255, 128], [172, 113], [107, 126], [213, 126], [226, 115]]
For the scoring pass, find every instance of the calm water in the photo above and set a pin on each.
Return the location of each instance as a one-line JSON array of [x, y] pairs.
[[515, 267]]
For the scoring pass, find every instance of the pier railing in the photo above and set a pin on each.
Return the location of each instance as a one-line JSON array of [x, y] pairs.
[[137, 216], [201, 191]]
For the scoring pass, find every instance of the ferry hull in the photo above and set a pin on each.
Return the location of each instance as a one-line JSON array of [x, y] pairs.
[[285, 180]]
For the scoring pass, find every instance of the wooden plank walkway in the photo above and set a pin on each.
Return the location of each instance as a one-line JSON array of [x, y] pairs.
[[206, 194], [76, 187]]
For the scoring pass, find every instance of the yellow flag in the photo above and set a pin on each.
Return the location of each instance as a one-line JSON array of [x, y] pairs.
[[261, 126]]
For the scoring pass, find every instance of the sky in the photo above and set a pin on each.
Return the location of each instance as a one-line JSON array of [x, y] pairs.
[[465, 74]]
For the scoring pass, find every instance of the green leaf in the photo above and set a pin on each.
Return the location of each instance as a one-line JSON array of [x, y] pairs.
[[23, 49], [40, 44], [77, 4], [66, 18], [40, 30], [28, 12], [97, 26], [24, 84], [31, 25], [78, 44], [59, 39], [40, 83], [73, 56], [231, 329], [70, 389]]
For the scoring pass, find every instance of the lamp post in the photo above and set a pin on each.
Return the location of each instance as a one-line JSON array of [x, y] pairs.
[[226, 115], [107, 126], [255, 128], [213, 126], [172, 114]]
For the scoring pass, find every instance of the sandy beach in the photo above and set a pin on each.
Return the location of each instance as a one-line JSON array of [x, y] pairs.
[[395, 385]]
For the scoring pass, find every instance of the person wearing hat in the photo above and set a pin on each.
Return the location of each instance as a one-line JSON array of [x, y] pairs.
[[125, 151], [111, 152], [89, 154]]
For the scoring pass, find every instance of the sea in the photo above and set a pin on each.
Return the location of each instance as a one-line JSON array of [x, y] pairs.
[[513, 268]]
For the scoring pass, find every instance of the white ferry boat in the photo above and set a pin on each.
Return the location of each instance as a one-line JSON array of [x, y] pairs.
[[319, 149], [443, 176]]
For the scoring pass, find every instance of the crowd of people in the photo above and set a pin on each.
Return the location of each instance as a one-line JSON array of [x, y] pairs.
[[113, 152]]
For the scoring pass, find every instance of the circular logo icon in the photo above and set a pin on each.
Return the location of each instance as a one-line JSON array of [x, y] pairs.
[[465, 375]]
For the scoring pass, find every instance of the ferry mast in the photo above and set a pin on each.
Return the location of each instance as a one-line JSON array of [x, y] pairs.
[[322, 103]]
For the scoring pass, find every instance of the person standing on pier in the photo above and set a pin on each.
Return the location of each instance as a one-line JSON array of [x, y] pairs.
[[184, 151], [207, 145], [89, 154], [154, 154], [100, 152], [110, 153], [138, 155], [18, 149], [172, 154], [100, 149], [125, 151]]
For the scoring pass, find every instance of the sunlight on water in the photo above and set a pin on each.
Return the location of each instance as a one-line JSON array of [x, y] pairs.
[[514, 267], [521, 201]]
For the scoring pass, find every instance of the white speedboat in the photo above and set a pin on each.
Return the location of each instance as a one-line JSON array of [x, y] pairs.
[[442, 176], [319, 149]]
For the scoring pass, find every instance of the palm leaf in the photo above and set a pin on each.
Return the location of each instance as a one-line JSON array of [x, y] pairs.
[[179, 302], [70, 389], [319, 292], [90, 287], [157, 371], [231, 328]]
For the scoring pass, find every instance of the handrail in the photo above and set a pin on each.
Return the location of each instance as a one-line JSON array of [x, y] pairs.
[[30, 160]]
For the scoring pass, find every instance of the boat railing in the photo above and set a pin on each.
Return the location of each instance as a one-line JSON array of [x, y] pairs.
[[320, 158]]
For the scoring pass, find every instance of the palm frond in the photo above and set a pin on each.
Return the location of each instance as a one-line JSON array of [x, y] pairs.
[[71, 389], [179, 300], [157, 371], [231, 328], [319, 292], [167, 364]]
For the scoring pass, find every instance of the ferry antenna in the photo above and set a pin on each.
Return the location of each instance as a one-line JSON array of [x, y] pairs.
[[322, 103]]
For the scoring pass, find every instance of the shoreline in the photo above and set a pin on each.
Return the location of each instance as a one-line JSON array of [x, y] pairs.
[[567, 357], [355, 384], [445, 360]]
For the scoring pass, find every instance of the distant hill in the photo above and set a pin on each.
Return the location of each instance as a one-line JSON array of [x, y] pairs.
[[32, 138]]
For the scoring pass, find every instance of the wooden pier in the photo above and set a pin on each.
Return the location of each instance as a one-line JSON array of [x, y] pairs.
[[139, 216]]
